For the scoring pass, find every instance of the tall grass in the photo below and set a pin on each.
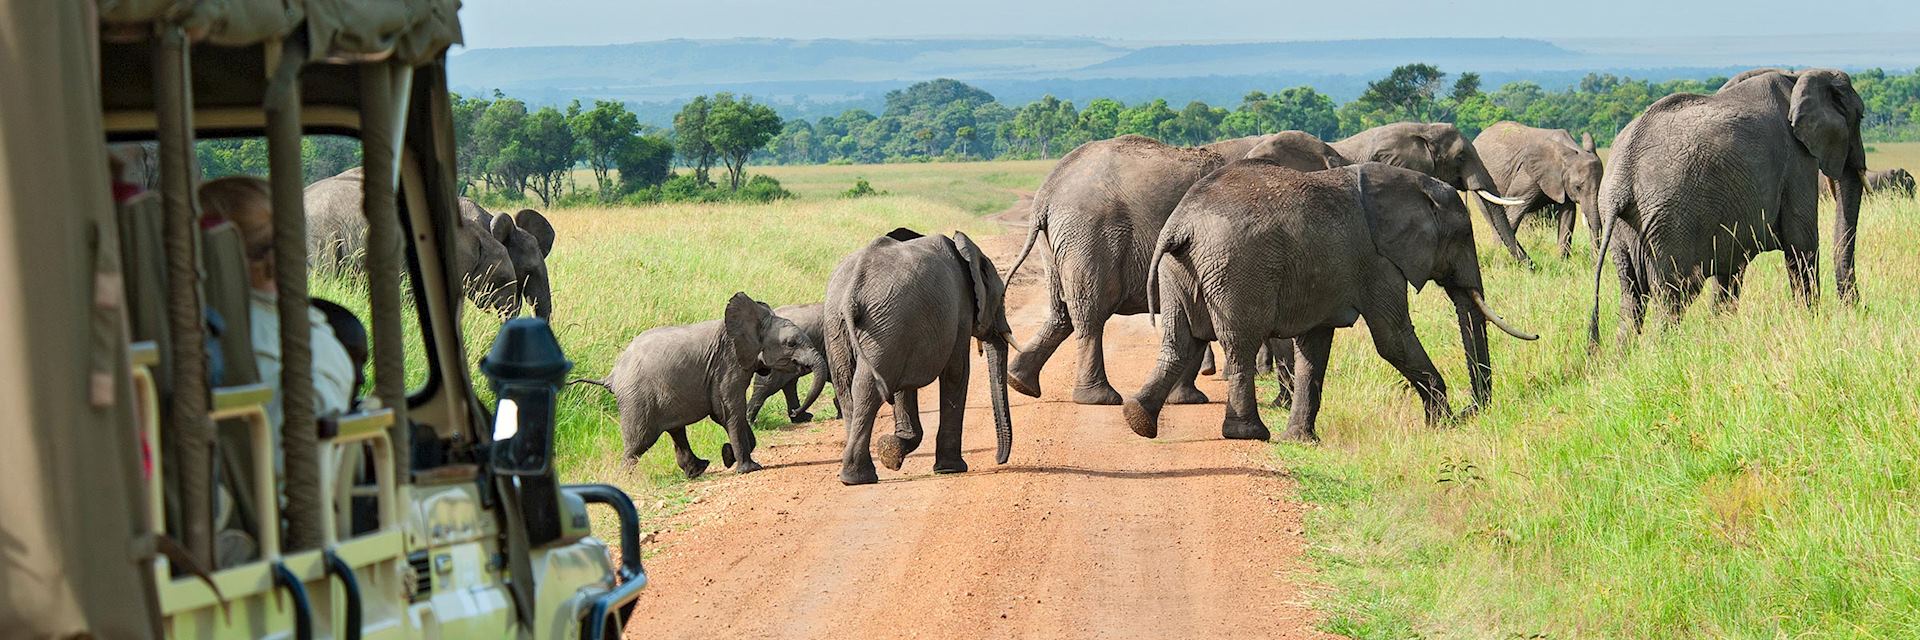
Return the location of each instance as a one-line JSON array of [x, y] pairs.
[[1746, 475]]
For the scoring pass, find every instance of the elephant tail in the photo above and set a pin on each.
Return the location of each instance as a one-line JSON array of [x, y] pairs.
[[856, 319], [595, 382], [1599, 267], [1172, 240], [1034, 231]]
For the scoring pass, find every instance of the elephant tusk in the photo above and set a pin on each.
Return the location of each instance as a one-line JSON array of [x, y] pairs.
[[1498, 321], [1008, 337], [1507, 202]]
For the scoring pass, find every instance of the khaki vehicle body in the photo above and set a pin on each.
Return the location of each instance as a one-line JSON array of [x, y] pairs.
[[394, 521]]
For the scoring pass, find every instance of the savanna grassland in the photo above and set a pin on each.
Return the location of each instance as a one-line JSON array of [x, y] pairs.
[[1748, 475]]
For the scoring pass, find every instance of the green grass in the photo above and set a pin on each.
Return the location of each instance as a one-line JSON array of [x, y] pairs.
[[1749, 475], [976, 187]]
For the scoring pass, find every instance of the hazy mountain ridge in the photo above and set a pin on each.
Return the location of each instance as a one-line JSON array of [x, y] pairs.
[[817, 77]]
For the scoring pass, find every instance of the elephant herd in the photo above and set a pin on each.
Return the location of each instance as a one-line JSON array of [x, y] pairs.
[[1265, 245]]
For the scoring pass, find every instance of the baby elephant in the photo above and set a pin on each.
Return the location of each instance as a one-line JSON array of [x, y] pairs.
[[900, 313], [807, 317], [671, 377]]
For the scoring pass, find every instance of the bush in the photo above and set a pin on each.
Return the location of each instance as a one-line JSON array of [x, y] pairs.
[[683, 188], [762, 188], [861, 189]]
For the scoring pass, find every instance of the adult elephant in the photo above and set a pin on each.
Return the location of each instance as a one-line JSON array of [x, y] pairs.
[[899, 315], [1259, 250], [1701, 184], [1546, 170], [1099, 211], [1441, 151], [502, 259], [1894, 181]]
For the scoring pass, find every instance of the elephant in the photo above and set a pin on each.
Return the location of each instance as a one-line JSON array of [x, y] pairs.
[[1703, 183], [1895, 181], [502, 260], [1546, 169], [898, 316], [1259, 250], [1100, 210], [1441, 151], [807, 317], [671, 377]]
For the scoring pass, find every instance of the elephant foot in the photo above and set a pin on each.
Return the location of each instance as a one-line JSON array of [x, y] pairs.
[[1143, 423], [1243, 429], [799, 417], [1300, 435], [726, 455], [1208, 368], [698, 467], [891, 451], [1101, 395], [853, 477], [746, 466], [1187, 395], [1024, 382], [955, 465]]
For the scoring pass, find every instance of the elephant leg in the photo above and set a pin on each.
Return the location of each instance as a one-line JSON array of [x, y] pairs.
[[1565, 219], [683, 455], [1674, 291], [763, 387], [906, 429], [1023, 373], [796, 412], [862, 402], [740, 439], [1394, 339], [1635, 288], [1800, 239], [953, 415], [1207, 364], [1282, 352], [1093, 388], [1178, 364], [1263, 361], [1242, 421], [1311, 351], [1187, 389]]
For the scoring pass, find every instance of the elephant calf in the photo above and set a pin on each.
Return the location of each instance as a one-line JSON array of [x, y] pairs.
[[899, 315], [671, 377], [807, 317]]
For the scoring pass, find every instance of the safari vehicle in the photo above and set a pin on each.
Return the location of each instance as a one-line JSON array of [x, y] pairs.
[[117, 441]]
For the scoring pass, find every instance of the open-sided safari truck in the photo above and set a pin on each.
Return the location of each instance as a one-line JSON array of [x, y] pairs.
[[133, 425]]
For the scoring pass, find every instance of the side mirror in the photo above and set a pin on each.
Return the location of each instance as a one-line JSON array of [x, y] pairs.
[[526, 370]]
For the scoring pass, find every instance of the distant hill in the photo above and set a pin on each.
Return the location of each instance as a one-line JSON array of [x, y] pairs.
[[809, 78]]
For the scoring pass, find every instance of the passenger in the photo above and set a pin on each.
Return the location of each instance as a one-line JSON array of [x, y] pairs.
[[245, 201]]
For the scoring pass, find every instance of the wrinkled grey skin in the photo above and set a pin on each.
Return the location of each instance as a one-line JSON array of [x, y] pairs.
[[1547, 169], [1258, 250], [501, 263], [671, 377], [808, 318], [900, 314], [1300, 151], [1099, 211], [1438, 150], [1894, 181], [1699, 185]]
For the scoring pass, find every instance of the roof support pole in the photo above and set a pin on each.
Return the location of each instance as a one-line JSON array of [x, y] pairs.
[[299, 439], [385, 88], [190, 431]]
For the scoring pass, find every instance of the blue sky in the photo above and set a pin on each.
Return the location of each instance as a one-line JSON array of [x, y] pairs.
[[511, 23]]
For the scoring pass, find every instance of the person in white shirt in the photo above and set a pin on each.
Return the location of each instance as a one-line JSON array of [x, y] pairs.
[[245, 202]]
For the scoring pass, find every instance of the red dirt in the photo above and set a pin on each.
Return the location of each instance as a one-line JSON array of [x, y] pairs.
[[1089, 532]]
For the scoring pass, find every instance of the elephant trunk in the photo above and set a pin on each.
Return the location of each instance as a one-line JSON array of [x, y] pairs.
[[1846, 218], [1474, 177], [996, 348], [1471, 311]]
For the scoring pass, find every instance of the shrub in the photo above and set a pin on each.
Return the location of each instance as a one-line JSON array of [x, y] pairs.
[[861, 189], [683, 188], [762, 188]]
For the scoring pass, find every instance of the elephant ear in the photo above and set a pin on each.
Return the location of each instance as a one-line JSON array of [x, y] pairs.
[[536, 224], [743, 322], [1825, 115], [502, 228], [1402, 217], [1586, 143], [1415, 151], [987, 292], [1549, 170]]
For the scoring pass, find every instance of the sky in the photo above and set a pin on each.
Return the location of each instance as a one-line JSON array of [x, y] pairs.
[[519, 23]]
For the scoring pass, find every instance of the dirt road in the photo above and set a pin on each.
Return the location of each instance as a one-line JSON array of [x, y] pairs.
[[1089, 531]]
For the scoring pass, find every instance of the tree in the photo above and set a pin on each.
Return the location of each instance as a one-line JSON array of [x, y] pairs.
[[548, 145], [690, 137], [1146, 118], [1101, 118], [643, 162], [1044, 119], [1406, 93], [1466, 86], [933, 96], [498, 157], [603, 134], [737, 128]]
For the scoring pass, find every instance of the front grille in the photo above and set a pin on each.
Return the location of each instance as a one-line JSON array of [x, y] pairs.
[[422, 567]]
